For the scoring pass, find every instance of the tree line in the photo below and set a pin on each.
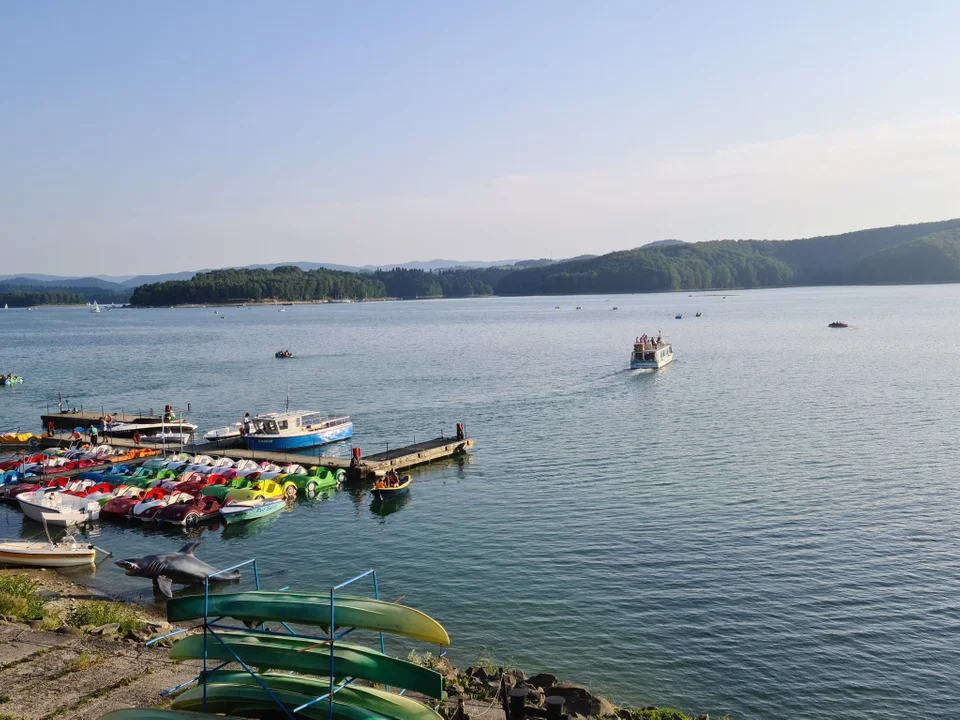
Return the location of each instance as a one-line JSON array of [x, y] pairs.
[[27, 296]]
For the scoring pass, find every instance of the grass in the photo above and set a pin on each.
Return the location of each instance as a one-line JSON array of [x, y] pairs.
[[17, 598], [83, 661], [102, 612], [4, 699], [89, 697]]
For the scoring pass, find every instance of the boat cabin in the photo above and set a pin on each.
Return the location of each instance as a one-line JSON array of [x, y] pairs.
[[294, 423]]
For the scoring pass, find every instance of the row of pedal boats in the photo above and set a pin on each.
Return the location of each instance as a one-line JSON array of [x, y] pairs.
[[180, 490]]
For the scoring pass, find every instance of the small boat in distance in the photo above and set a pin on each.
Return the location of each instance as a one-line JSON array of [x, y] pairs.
[[650, 353], [282, 354], [95, 308], [838, 324], [679, 316], [296, 429]]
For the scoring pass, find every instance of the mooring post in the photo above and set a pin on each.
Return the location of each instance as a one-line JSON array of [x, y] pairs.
[[554, 707], [518, 703]]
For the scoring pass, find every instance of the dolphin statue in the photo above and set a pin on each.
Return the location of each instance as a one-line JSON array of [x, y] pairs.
[[181, 567]]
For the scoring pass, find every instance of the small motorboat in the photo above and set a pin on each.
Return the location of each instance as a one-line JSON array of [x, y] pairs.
[[699, 314], [392, 486], [229, 432], [838, 324], [679, 316], [168, 438], [11, 380], [41, 502], [67, 553], [283, 354], [234, 512]]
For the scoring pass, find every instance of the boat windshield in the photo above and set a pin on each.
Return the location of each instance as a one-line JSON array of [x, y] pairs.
[[267, 426]]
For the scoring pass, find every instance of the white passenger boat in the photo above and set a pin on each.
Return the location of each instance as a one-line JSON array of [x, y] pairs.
[[230, 432], [650, 353]]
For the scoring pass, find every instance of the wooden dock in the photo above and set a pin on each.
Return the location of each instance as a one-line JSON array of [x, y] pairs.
[[377, 464]]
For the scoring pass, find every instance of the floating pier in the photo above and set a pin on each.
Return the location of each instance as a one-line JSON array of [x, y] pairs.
[[358, 466]]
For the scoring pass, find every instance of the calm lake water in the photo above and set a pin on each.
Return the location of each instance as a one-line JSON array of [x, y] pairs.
[[767, 527]]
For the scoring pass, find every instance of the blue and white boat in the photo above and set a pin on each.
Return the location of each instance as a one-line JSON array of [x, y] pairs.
[[235, 512], [296, 429]]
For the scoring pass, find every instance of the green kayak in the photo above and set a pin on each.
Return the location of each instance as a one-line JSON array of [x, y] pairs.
[[239, 694], [153, 714], [288, 652], [313, 609]]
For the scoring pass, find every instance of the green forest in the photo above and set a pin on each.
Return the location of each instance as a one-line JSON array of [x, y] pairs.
[[926, 252], [29, 295], [283, 283]]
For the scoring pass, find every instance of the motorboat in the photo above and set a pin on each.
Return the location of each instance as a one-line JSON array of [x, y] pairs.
[[45, 501], [95, 308], [296, 429], [66, 553], [230, 432], [838, 324]]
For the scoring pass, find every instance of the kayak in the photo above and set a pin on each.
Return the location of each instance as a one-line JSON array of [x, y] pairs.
[[313, 609], [239, 693], [153, 714], [289, 652]]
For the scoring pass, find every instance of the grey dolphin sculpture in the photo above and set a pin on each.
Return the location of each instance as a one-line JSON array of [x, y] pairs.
[[180, 567]]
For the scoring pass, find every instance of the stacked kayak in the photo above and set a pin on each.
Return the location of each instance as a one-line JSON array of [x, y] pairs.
[[277, 654]]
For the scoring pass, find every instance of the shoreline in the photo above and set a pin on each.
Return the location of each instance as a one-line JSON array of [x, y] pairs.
[[109, 667]]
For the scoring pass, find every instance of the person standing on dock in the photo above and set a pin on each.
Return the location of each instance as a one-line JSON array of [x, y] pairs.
[[93, 436]]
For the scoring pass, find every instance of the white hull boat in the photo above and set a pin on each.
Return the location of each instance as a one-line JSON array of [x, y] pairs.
[[46, 554], [40, 502], [230, 432]]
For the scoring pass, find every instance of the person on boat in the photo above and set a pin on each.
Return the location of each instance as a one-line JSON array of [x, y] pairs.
[[168, 415], [392, 479], [246, 424]]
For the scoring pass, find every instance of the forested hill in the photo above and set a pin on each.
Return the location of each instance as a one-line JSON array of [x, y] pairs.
[[283, 283], [927, 252]]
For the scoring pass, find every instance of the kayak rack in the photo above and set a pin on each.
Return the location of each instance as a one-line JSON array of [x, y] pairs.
[[212, 625]]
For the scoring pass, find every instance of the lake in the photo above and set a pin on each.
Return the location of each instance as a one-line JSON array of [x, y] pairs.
[[767, 527]]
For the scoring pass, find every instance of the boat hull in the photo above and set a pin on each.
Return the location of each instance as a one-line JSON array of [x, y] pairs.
[[47, 558], [39, 502], [306, 440], [650, 364], [241, 512]]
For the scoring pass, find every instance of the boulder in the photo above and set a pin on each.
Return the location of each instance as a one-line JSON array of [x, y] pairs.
[[477, 672], [542, 680], [70, 630], [106, 629], [580, 701], [36, 624]]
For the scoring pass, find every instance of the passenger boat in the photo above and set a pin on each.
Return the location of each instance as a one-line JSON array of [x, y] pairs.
[[235, 512], [68, 553], [650, 354], [383, 490], [300, 429]]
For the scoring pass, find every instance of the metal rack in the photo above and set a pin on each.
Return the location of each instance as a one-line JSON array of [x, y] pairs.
[[211, 626]]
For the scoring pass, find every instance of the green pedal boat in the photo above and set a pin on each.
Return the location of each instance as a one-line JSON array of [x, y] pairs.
[[289, 652], [313, 609]]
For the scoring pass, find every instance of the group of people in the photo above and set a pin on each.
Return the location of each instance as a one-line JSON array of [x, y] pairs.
[[11, 378], [645, 340], [392, 480], [284, 354]]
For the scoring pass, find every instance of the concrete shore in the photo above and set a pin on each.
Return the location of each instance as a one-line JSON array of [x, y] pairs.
[[50, 668]]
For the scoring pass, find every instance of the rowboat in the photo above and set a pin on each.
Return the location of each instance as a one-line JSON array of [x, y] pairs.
[[46, 554], [383, 490], [239, 693], [237, 512], [313, 609], [282, 652]]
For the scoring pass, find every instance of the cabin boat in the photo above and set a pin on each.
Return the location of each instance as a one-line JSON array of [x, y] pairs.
[[647, 356], [299, 429]]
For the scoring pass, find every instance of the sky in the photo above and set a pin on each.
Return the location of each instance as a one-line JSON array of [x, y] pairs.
[[148, 137]]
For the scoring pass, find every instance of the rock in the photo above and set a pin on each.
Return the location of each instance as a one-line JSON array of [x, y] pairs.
[[580, 701], [624, 714], [477, 672], [158, 626], [543, 680], [705, 716], [535, 697], [36, 624], [139, 635], [47, 594], [70, 630], [107, 629], [517, 675]]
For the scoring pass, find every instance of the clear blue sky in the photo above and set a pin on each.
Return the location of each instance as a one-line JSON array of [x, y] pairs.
[[155, 136]]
